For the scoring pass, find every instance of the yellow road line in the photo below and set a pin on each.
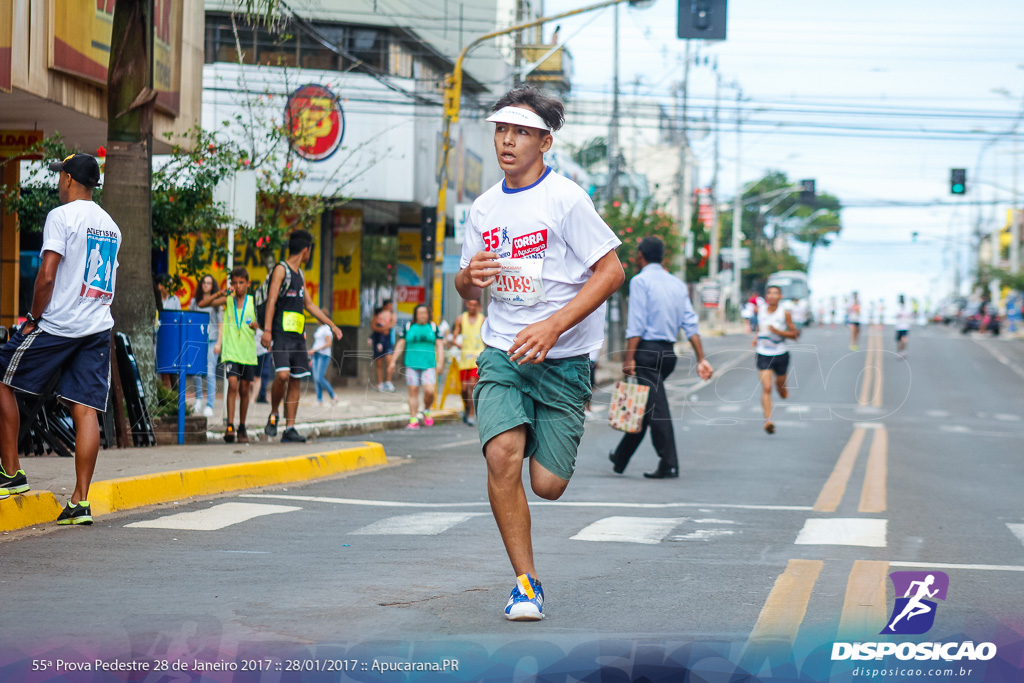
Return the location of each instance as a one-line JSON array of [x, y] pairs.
[[876, 400], [832, 493], [873, 493], [864, 609], [786, 606]]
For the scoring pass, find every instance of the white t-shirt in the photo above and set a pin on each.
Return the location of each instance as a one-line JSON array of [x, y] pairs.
[[552, 221], [904, 318], [172, 303], [321, 337], [88, 240], [769, 343]]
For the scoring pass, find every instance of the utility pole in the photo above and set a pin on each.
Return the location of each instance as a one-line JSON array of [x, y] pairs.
[[1014, 216], [683, 199], [737, 210], [716, 233], [517, 42], [613, 133]]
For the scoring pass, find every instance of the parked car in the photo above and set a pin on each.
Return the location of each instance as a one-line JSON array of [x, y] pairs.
[[952, 309], [980, 317]]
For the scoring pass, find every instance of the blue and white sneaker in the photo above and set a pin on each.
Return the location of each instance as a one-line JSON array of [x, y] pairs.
[[526, 602]]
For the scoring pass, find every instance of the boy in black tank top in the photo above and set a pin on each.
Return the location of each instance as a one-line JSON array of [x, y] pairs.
[[284, 334]]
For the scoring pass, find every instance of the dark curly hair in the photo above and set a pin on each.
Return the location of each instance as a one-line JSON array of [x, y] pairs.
[[547, 107]]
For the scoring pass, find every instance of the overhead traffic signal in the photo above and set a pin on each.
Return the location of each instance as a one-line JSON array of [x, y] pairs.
[[807, 192], [428, 232], [958, 181], [702, 19]]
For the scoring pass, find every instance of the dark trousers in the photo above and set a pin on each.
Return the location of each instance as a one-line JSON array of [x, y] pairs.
[[655, 361]]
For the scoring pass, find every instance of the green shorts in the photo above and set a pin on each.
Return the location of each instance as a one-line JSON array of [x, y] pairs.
[[548, 398]]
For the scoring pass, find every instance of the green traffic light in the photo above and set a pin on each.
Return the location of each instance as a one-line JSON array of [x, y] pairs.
[[958, 189]]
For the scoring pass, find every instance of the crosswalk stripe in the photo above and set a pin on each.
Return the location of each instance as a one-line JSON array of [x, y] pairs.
[[421, 524], [864, 607], [214, 518], [870, 533], [648, 530], [1018, 530]]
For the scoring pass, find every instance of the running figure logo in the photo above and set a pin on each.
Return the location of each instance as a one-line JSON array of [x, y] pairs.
[[98, 282], [913, 613]]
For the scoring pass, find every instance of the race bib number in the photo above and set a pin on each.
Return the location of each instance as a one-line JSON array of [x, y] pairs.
[[519, 283], [293, 322]]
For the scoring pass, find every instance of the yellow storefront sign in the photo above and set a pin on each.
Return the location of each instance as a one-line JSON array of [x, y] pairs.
[[348, 242], [409, 286], [245, 255]]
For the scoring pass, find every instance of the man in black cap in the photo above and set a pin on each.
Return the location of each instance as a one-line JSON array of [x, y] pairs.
[[67, 330]]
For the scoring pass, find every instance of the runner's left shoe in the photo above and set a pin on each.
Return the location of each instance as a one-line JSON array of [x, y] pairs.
[[526, 602], [17, 483], [76, 514]]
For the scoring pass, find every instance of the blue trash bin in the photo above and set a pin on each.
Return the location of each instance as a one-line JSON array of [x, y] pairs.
[[181, 343]]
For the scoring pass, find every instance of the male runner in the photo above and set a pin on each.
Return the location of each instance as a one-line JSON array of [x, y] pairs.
[[853, 316], [536, 240], [67, 330], [904, 319], [774, 327], [284, 334]]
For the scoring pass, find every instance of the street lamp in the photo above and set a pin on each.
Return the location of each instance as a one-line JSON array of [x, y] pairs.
[[452, 106]]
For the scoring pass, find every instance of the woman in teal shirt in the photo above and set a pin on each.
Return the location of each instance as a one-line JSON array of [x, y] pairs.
[[424, 359]]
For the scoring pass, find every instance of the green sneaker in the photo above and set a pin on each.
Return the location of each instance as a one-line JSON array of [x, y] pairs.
[[76, 514], [13, 484]]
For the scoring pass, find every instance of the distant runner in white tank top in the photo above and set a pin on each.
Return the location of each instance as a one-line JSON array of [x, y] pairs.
[[774, 327]]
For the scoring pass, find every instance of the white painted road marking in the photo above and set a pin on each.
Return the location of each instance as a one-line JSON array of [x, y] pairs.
[[981, 567], [540, 503], [937, 413], [422, 524], [703, 535], [1007, 417], [844, 531], [212, 519], [1018, 531], [648, 530]]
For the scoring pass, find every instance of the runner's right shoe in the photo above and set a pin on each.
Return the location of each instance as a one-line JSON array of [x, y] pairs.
[[229, 434], [526, 602], [76, 514], [271, 428], [4, 493], [14, 484]]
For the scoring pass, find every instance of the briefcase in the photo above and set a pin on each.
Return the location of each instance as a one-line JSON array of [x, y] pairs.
[[629, 401]]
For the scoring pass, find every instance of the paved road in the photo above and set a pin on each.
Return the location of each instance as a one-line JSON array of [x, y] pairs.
[[879, 464]]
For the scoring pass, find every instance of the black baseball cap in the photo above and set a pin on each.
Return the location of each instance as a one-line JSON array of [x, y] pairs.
[[83, 168]]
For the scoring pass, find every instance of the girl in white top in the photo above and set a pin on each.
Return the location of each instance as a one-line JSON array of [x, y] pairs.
[[774, 327], [320, 354], [904, 318]]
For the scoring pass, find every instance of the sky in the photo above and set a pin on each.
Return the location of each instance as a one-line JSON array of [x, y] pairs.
[[875, 100]]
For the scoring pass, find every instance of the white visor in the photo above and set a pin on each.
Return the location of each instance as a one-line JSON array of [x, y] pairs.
[[520, 116]]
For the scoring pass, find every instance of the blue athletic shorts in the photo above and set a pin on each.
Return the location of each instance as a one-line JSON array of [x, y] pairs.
[[27, 363]]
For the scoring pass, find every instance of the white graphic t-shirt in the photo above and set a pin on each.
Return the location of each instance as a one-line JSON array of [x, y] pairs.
[[88, 240], [547, 236]]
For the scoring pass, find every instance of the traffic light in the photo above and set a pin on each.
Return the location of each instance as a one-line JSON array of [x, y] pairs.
[[807, 191], [428, 233], [958, 181], [702, 19]]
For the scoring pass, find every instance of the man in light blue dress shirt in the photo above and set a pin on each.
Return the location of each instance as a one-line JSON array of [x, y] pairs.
[[659, 306]]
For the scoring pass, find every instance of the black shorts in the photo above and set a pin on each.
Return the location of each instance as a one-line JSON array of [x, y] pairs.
[[855, 324], [778, 364], [900, 334], [382, 346], [246, 373], [290, 355], [27, 363]]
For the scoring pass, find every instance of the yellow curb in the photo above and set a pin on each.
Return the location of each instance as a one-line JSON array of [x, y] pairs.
[[162, 487], [29, 509]]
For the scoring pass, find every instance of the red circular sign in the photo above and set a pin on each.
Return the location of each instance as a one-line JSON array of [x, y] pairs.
[[316, 122]]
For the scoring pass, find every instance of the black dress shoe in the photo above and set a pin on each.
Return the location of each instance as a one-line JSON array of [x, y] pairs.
[[659, 473], [617, 468]]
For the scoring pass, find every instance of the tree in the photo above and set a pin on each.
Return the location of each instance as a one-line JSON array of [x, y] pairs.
[[591, 153], [632, 221]]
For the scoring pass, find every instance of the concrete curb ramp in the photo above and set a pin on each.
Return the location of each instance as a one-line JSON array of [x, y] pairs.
[[42, 507]]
